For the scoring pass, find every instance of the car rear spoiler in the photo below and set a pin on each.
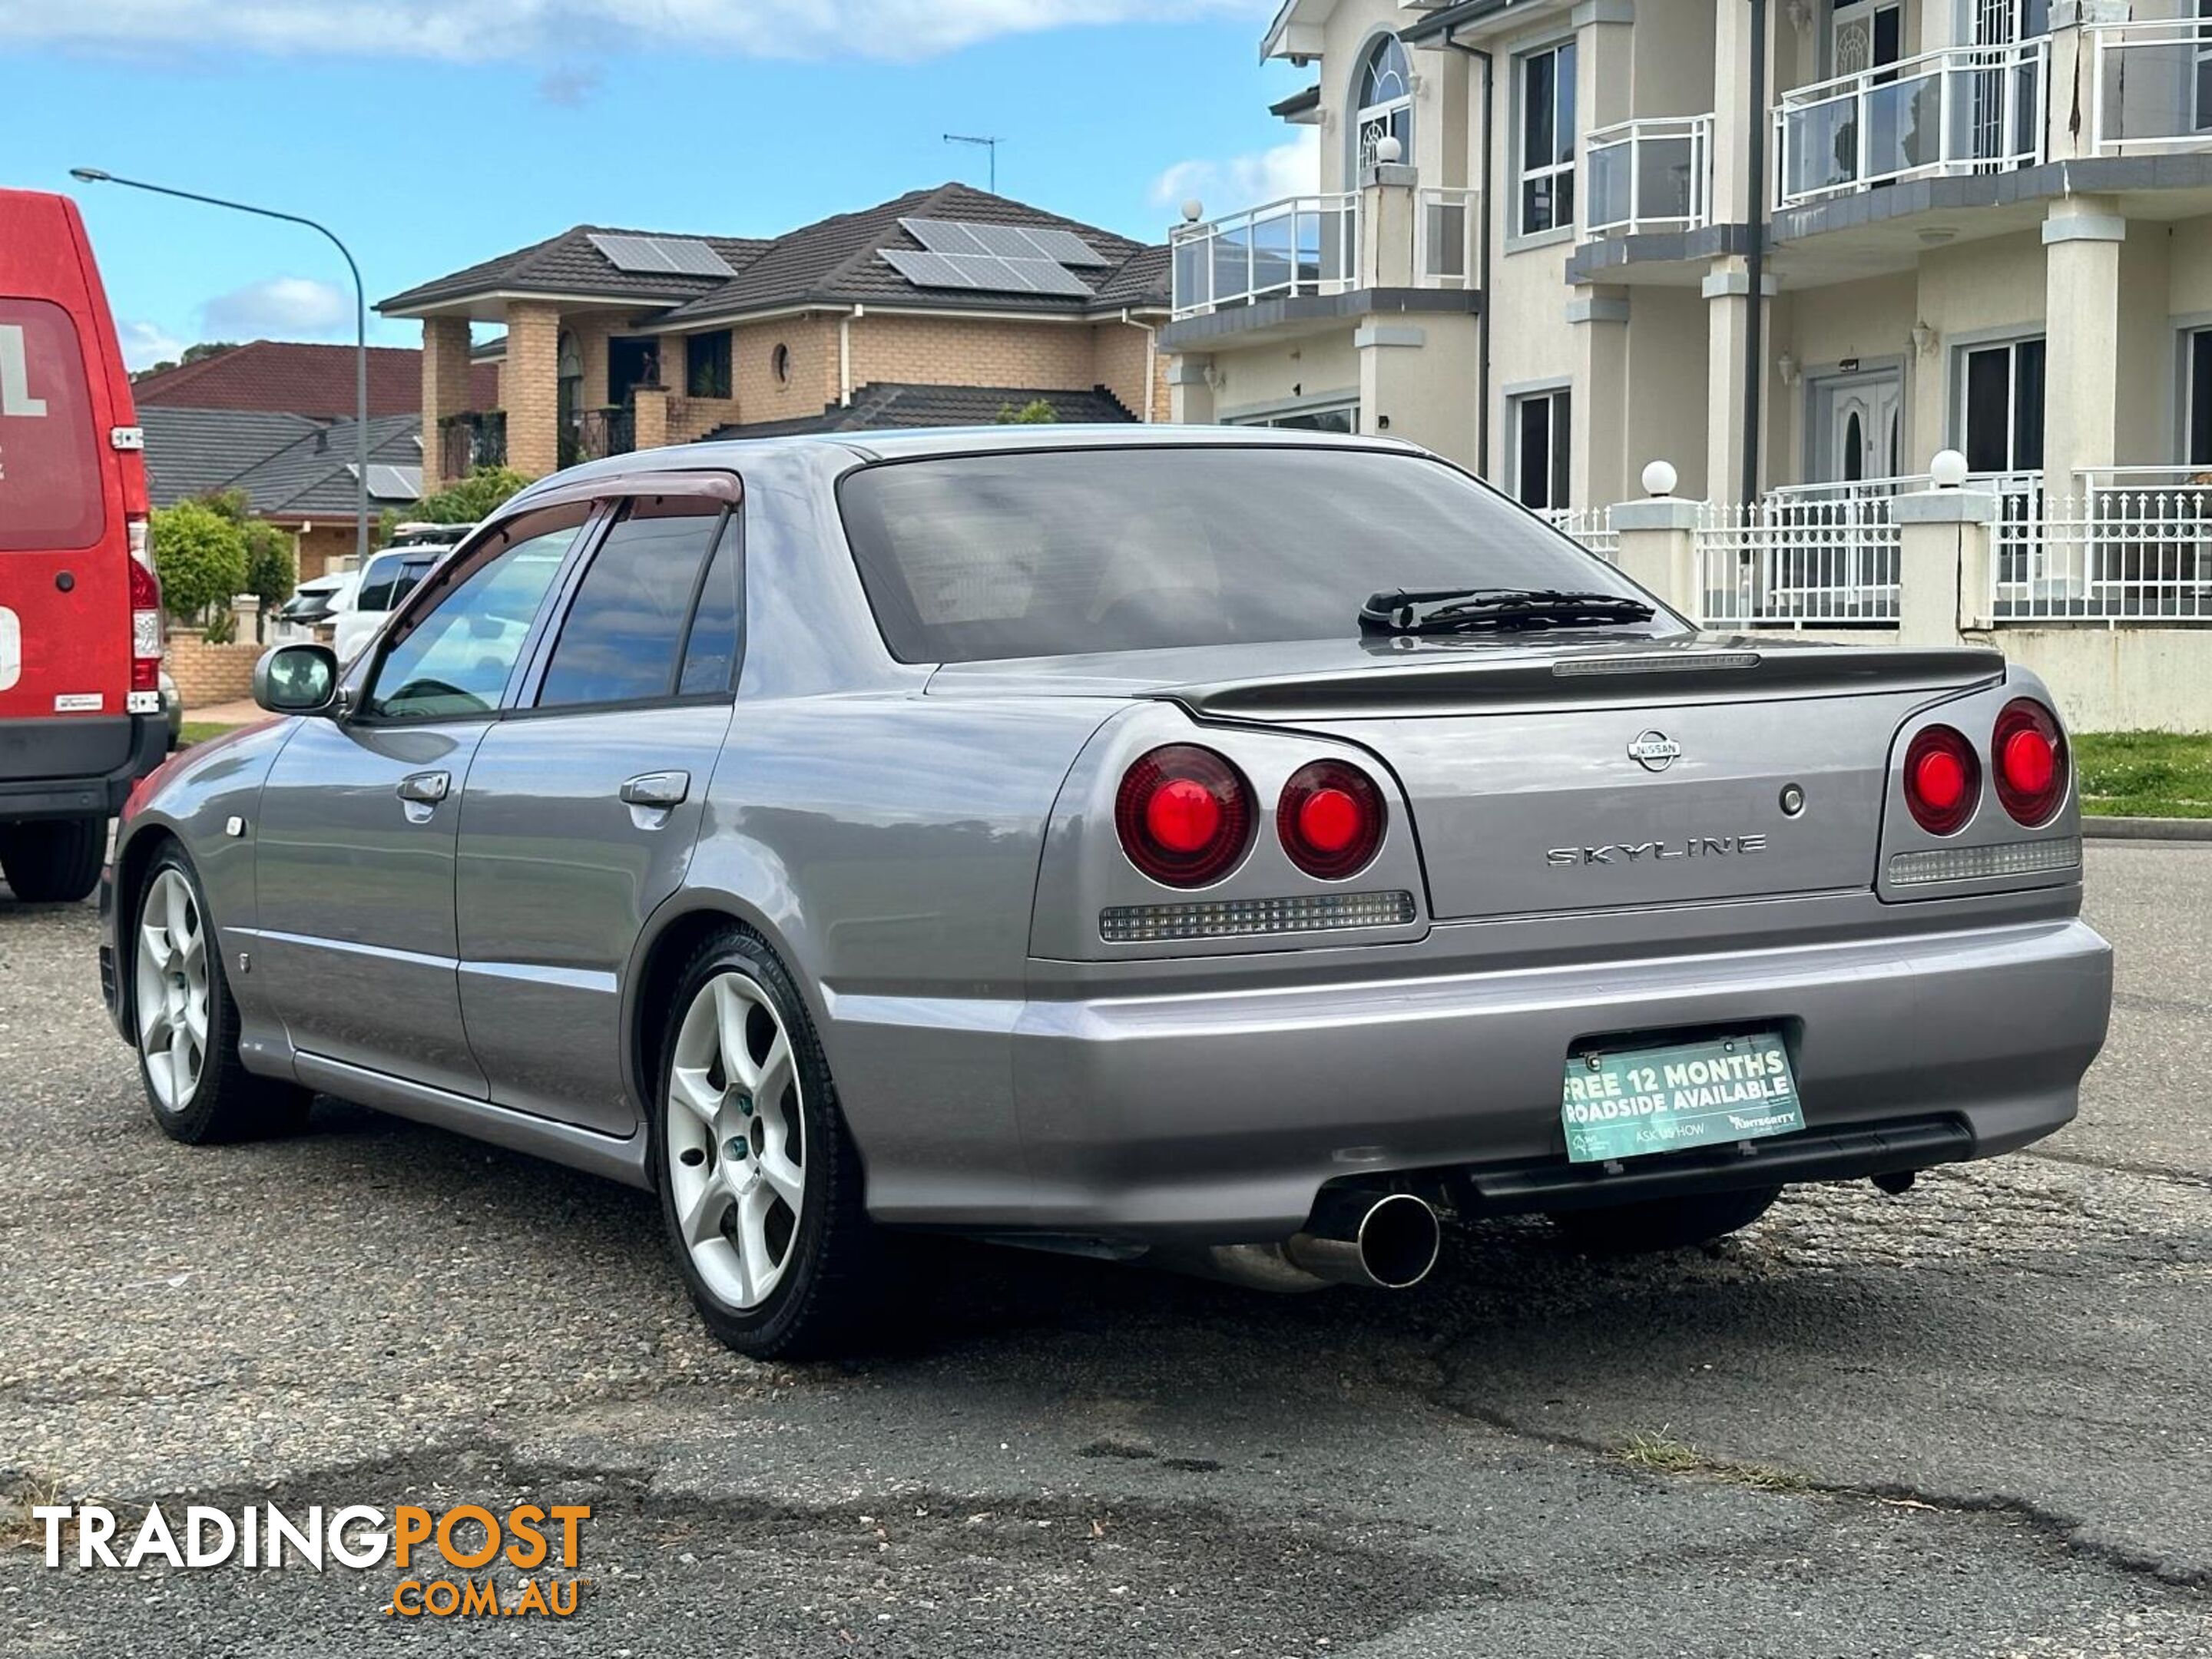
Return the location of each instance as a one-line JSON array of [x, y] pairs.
[[1641, 672]]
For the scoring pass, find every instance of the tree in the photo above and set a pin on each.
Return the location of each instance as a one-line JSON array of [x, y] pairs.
[[271, 573], [1035, 412], [192, 354], [476, 497], [200, 556]]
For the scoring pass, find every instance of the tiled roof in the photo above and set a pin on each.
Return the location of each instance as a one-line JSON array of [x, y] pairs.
[[295, 378], [289, 465], [839, 260], [884, 406], [569, 264]]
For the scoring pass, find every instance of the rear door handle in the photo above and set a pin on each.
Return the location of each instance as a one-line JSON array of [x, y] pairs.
[[426, 788], [660, 789]]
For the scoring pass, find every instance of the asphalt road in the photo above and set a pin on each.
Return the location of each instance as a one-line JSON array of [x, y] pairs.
[[1969, 1421]]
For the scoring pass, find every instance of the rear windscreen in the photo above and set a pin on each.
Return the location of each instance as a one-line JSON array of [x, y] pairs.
[[51, 495], [1058, 552]]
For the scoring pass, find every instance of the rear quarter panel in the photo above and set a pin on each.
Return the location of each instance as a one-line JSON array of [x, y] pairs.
[[887, 848]]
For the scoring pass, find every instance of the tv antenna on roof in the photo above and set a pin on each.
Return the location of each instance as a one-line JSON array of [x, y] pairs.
[[991, 145]]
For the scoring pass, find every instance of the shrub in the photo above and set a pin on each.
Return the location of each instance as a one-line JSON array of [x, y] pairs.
[[474, 497], [1035, 412], [200, 556], [271, 573]]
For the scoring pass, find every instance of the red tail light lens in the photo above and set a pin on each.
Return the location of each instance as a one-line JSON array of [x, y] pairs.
[[1184, 815], [145, 614], [2030, 756], [1942, 780], [1331, 818]]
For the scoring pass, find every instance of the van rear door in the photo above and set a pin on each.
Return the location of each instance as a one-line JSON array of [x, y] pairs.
[[67, 494]]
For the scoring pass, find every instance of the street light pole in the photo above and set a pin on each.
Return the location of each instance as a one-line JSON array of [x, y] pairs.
[[94, 176]]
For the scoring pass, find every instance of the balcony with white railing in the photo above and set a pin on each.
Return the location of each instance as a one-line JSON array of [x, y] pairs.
[[2153, 82], [1654, 174], [1301, 245], [1962, 109]]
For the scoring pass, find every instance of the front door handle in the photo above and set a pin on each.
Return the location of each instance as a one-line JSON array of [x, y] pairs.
[[658, 789], [426, 788]]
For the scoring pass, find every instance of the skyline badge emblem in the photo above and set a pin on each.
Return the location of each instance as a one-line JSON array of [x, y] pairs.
[[1654, 750]]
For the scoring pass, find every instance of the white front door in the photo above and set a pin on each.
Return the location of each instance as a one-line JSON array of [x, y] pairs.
[[1859, 427]]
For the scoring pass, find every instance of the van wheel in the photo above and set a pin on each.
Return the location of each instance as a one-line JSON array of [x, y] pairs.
[[1670, 1224], [760, 1182], [188, 1026], [55, 861]]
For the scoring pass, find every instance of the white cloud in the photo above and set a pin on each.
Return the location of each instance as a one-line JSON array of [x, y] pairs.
[[280, 308], [1291, 168], [480, 30], [570, 87], [145, 344]]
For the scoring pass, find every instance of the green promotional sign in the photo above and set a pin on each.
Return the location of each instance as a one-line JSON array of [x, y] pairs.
[[1638, 1101]]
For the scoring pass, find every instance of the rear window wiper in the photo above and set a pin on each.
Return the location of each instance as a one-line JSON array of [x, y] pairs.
[[1465, 610]]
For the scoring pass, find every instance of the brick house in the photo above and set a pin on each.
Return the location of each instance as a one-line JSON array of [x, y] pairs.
[[297, 377], [948, 303]]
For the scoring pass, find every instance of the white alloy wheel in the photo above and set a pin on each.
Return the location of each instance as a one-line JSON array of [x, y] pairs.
[[172, 989], [737, 1153]]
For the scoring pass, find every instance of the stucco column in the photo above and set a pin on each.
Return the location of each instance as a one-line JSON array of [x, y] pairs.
[[444, 389], [1659, 548], [2082, 239], [1598, 459], [533, 387], [1386, 227], [1728, 330], [1943, 563], [1190, 393], [1414, 381]]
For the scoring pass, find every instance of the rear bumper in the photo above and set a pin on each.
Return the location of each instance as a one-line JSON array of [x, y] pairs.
[[1219, 1116], [78, 774]]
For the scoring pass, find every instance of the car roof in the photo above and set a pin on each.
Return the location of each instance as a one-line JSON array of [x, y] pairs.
[[860, 448]]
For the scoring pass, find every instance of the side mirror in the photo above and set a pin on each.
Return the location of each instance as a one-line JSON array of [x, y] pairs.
[[296, 679]]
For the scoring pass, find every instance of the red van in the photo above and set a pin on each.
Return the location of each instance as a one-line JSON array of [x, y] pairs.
[[80, 611]]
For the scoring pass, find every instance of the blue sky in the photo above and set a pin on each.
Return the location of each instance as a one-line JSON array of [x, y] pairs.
[[430, 142]]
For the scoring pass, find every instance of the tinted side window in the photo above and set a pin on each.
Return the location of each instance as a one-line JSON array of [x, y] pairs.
[[710, 655], [455, 660], [624, 628], [376, 583]]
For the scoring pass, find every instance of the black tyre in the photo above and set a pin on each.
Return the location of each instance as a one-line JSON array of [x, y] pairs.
[[185, 1023], [55, 861], [1671, 1224], [761, 1186]]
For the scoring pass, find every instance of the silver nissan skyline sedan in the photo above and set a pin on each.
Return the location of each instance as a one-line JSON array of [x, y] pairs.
[[1225, 848]]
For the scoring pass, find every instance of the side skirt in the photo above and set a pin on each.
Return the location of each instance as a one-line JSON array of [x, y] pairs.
[[622, 1160]]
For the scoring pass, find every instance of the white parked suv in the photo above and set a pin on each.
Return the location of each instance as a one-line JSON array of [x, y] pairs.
[[387, 578]]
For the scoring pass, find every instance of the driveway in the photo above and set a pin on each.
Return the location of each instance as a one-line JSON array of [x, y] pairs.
[[1975, 1420]]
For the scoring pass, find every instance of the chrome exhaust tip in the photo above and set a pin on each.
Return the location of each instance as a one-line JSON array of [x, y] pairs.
[[1389, 1242]]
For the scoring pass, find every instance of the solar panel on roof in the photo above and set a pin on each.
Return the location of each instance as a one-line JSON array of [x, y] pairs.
[[984, 272], [676, 256], [957, 236]]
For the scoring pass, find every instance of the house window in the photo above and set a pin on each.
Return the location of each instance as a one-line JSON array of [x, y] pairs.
[[778, 364], [2198, 369], [2002, 401], [1540, 429], [1327, 417], [1547, 139], [707, 365], [1386, 101]]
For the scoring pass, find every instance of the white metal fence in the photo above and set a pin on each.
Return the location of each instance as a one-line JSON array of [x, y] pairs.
[[1590, 525], [1809, 560], [2132, 545]]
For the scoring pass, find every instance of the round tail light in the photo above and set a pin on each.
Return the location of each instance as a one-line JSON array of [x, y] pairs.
[[1942, 780], [1331, 818], [1184, 815], [2029, 754]]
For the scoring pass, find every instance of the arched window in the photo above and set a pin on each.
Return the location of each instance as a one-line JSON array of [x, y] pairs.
[[1384, 91]]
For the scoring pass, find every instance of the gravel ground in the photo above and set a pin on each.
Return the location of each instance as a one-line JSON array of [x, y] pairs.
[[1972, 1420]]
